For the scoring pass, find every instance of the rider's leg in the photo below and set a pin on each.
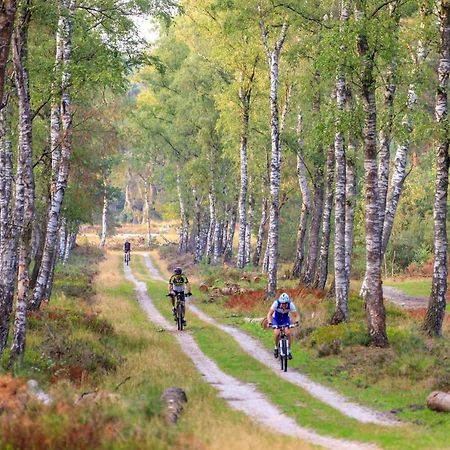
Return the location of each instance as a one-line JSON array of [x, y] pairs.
[[289, 336], [276, 337]]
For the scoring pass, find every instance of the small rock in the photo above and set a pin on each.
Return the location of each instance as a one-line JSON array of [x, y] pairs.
[[38, 393]]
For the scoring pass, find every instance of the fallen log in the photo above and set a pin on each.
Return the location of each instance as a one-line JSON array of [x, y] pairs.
[[439, 401], [174, 398]]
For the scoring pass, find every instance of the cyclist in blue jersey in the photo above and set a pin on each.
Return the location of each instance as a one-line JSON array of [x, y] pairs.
[[278, 315]]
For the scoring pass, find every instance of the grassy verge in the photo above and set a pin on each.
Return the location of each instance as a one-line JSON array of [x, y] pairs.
[[103, 345], [294, 401]]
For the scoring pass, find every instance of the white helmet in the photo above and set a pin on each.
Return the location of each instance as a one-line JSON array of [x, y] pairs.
[[284, 298]]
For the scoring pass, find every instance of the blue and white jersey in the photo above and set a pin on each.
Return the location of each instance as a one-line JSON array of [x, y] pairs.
[[281, 314]]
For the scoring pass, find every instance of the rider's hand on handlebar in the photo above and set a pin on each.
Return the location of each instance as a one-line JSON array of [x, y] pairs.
[[269, 324], [188, 294], [296, 324]]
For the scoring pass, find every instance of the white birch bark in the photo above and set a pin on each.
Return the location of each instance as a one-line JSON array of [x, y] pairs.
[[436, 307], [24, 184], [350, 194], [248, 231], [340, 279], [212, 221], [244, 97], [45, 271], [322, 270], [260, 238], [184, 221], [398, 173], [373, 294], [275, 165], [62, 238], [306, 201], [228, 253], [385, 143], [104, 215], [6, 172]]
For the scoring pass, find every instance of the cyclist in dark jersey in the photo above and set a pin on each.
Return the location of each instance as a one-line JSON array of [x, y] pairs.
[[127, 248], [178, 282]]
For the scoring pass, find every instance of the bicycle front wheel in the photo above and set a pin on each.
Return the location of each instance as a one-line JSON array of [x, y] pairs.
[[180, 317], [284, 355]]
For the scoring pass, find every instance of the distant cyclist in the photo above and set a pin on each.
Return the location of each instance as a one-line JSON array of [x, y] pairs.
[[178, 282], [127, 250], [278, 315]]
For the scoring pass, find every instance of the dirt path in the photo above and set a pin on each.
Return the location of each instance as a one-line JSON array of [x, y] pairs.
[[256, 350], [239, 395], [398, 297]]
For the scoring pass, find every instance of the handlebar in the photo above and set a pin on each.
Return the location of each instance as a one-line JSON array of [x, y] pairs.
[[279, 327]]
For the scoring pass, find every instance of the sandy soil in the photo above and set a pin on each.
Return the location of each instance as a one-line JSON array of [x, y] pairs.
[[398, 297]]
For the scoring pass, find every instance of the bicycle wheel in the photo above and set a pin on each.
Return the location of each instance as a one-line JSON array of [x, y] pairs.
[[284, 355], [180, 317]]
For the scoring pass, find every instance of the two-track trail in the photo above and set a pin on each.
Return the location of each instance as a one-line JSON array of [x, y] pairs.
[[257, 351], [239, 395]]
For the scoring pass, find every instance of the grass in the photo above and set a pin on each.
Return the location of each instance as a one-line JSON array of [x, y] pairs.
[[294, 401], [415, 288]]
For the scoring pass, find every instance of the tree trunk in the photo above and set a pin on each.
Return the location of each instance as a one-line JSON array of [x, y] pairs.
[[385, 143], [350, 194], [436, 307], [340, 281], [7, 15], [228, 254], [67, 8], [25, 182], [212, 221], [262, 225], [373, 294], [314, 233], [184, 220], [244, 97], [248, 233], [306, 201], [198, 252], [398, 175], [62, 235], [322, 270], [104, 214], [6, 172], [275, 165]]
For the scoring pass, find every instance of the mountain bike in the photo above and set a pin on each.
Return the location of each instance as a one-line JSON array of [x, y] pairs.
[[127, 258], [180, 298], [283, 347]]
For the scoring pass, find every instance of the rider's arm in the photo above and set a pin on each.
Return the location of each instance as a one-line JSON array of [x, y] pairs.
[[270, 314], [296, 316], [188, 286], [170, 286]]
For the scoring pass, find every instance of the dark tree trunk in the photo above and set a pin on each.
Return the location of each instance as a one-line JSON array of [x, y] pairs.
[[436, 307]]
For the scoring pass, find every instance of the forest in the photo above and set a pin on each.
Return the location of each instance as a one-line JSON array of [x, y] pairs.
[[302, 146]]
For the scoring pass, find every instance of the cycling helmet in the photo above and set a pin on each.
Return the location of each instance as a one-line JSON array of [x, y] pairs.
[[284, 298], [178, 271]]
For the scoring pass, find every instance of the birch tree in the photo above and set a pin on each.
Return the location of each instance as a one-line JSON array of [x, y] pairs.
[[436, 307], [67, 8], [273, 57]]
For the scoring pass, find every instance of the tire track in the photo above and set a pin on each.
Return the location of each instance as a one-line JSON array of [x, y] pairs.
[[239, 395]]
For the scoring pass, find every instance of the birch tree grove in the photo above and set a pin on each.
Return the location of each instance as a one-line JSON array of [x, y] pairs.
[[436, 307]]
